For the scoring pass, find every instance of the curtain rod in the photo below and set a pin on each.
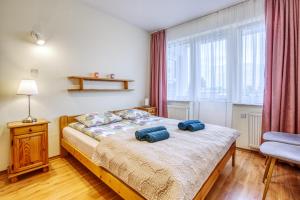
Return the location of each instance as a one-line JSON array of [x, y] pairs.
[[165, 28]]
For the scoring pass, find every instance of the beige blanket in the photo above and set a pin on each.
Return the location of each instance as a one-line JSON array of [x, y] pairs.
[[171, 169]]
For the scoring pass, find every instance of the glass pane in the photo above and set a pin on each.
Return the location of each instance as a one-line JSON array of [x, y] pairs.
[[213, 69], [253, 64], [178, 69]]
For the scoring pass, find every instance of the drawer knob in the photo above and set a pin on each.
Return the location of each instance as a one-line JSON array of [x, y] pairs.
[[30, 130]]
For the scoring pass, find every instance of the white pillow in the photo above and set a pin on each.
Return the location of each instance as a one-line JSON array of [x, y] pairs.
[[94, 119], [111, 118]]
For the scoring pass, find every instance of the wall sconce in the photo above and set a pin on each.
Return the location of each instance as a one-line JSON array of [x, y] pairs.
[[38, 38]]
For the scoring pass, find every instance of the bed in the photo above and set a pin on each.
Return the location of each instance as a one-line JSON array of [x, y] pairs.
[[99, 156]]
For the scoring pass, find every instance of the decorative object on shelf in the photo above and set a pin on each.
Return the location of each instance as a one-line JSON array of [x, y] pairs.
[[81, 80], [29, 88], [29, 148], [38, 38], [95, 74], [146, 102], [111, 76], [149, 109]]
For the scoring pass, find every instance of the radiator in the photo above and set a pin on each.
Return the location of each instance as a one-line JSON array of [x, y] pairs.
[[254, 130], [180, 112]]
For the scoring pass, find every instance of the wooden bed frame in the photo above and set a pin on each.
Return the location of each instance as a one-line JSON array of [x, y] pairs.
[[119, 186]]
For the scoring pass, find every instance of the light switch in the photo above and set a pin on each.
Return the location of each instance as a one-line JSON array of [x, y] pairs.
[[34, 73]]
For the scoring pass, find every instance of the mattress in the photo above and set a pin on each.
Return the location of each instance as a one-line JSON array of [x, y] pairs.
[[82, 142]]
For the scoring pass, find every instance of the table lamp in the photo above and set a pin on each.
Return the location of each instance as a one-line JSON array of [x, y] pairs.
[[146, 102], [29, 88]]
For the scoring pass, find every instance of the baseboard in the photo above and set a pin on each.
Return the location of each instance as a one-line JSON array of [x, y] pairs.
[[50, 158], [3, 172], [54, 157], [250, 151]]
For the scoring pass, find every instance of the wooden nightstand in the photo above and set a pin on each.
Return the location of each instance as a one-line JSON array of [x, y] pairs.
[[29, 148], [149, 109]]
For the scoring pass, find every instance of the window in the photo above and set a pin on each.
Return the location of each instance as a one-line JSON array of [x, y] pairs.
[[252, 64], [222, 65], [212, 67], [178, 71]]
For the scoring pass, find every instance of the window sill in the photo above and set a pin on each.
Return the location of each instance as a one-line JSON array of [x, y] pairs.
[[184, 101], [237, 104], [247, 104]]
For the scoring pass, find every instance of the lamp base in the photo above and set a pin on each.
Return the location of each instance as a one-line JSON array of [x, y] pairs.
[[29, 119]]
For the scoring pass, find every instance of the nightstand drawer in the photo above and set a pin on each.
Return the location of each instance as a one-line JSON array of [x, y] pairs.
[[29, 129]]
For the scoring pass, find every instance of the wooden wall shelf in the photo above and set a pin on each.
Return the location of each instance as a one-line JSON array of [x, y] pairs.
[[99, 90], [81, 80]]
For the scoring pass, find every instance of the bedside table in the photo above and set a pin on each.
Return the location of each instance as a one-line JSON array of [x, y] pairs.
[[149, 109], [29, 148]]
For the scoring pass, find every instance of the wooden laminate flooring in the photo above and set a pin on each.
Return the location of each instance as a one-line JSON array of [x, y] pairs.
[[68, 179]]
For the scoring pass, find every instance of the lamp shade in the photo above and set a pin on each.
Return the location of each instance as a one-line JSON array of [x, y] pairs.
[[28, 87]]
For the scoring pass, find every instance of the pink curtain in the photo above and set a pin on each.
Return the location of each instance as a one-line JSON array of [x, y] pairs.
[[281, 110], [158, 63]]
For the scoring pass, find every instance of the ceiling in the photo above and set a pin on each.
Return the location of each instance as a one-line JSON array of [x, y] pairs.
[[152, 15]]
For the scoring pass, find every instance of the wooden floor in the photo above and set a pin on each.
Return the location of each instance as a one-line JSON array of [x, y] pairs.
[[68, 179]]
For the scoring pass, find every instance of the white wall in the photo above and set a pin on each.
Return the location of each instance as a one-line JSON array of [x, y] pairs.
[[80, 40], [219, 113]]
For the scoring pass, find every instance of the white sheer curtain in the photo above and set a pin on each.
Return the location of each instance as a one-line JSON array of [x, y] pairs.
[[197, 68], [211, 67], [251, 64], [218, 59], [179, 70]]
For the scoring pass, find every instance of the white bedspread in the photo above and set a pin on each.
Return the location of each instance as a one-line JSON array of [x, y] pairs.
[[171, 169]]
